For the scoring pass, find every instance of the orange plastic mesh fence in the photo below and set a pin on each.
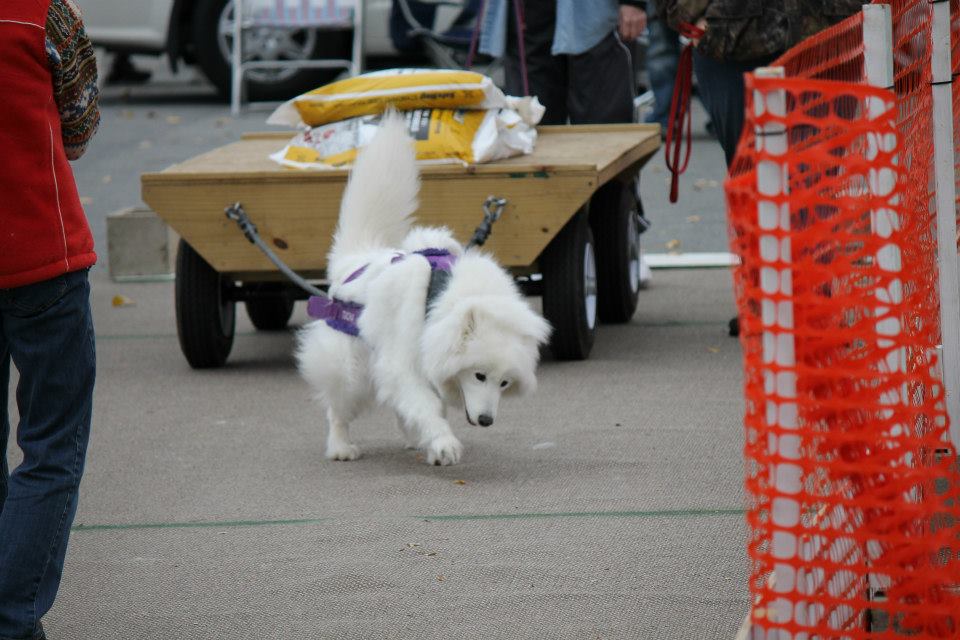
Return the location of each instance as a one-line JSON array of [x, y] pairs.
[[852, 485], [834, 54]]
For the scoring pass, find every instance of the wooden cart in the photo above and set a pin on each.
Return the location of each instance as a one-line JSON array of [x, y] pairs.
[[569, 231]]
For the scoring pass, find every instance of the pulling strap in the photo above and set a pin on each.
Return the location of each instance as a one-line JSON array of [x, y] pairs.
[[680, 114]]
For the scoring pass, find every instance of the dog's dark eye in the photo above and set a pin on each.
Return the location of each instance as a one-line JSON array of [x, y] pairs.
[[481, 377], [504, 383]]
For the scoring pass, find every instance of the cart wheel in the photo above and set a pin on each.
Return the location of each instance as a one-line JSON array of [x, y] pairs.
[[205, 315], [569, 270], [616, 228], [270, 313]]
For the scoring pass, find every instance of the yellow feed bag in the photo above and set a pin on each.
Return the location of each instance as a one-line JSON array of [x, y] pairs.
[[403, 89], [440, 135]]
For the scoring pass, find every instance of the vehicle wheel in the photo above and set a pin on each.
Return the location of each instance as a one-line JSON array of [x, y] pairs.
[[569, 270], [270, 313], [616, 229], [206, 316], [212, 33]]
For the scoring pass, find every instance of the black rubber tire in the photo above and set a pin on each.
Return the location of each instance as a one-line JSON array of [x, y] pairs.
[[566, 289], [203, 31], [616, 231], [270, 313], [206, 318]]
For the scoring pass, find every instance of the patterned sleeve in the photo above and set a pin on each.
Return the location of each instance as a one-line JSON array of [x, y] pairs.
[[74, 69]]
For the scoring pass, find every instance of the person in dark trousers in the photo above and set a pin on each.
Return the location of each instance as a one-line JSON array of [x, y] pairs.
[[740, 36], [48, 115], [577, 62]]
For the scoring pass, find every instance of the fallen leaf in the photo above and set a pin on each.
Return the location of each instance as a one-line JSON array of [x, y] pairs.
[[693, 218], [173, 119], [703, 183], [440, 578], [432, 553], [673, 246], [145, 144], [85, 200], [122, 301], [459, 482], [107, 179], [713, 349], [126, 114], [656, 169]]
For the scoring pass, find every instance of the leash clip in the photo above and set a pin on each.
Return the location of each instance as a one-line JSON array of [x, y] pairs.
[[492, 210]]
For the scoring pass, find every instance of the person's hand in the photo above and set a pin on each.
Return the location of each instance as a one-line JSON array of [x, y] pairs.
[[632, 22], [702, 25]]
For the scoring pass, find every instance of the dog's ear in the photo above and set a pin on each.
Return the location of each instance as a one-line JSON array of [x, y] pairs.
[[468, 326], [445, 340]]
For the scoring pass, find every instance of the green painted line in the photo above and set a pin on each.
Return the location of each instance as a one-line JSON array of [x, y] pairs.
[[197, 525], [541, 174], [669, 513], [517, 175], [225, 524]]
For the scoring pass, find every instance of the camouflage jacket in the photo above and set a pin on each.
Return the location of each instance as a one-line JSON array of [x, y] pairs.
[[745, 30]]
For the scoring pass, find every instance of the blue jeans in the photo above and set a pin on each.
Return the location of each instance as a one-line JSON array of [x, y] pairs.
[[722, 93], [46, 329]]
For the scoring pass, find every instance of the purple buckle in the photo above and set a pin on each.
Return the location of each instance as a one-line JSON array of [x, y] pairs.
[[338, 314]]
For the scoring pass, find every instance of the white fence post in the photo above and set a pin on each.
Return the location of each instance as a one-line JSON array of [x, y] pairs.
[[946, 210], [776, 277], [878, 63]]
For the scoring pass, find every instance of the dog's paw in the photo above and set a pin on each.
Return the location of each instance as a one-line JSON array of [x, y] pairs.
[[444, 450], [343, 452]]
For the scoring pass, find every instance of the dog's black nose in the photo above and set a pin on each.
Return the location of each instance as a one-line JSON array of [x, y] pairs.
[[485, 420]]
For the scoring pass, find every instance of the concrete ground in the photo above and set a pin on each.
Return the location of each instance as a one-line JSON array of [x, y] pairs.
[[607, 505]]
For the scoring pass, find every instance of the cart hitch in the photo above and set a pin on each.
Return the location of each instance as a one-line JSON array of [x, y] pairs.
[[492, 209]]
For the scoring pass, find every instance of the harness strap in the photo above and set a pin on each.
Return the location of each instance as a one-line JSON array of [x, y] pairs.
[[342, 315]]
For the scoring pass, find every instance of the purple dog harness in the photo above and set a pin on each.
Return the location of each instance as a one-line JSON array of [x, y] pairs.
[[343, 315]]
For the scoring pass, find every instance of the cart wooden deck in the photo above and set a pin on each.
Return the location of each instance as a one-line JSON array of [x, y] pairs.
[[296, 210]]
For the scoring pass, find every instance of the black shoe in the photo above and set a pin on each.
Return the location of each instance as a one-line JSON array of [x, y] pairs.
[[734, 326], [123, 72]]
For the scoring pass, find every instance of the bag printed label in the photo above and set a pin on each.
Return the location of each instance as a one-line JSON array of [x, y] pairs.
[[440, 135]]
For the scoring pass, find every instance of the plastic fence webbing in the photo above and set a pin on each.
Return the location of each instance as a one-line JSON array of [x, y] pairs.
[[863, 423]]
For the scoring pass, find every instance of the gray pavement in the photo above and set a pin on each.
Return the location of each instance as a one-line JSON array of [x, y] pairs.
[[606, 505]]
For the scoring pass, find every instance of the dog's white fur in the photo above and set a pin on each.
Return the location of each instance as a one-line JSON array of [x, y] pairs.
[[479, 340]]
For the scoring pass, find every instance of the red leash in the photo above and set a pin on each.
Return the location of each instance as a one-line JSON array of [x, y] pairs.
[[680, 114]]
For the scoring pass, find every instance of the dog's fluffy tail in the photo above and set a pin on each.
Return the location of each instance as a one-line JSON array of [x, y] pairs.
[[381, 194]]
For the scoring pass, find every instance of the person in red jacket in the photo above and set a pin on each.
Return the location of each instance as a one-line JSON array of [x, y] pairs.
[[48, 113]]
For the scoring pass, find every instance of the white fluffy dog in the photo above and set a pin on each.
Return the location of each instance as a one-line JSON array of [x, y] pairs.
[[475, 340]]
